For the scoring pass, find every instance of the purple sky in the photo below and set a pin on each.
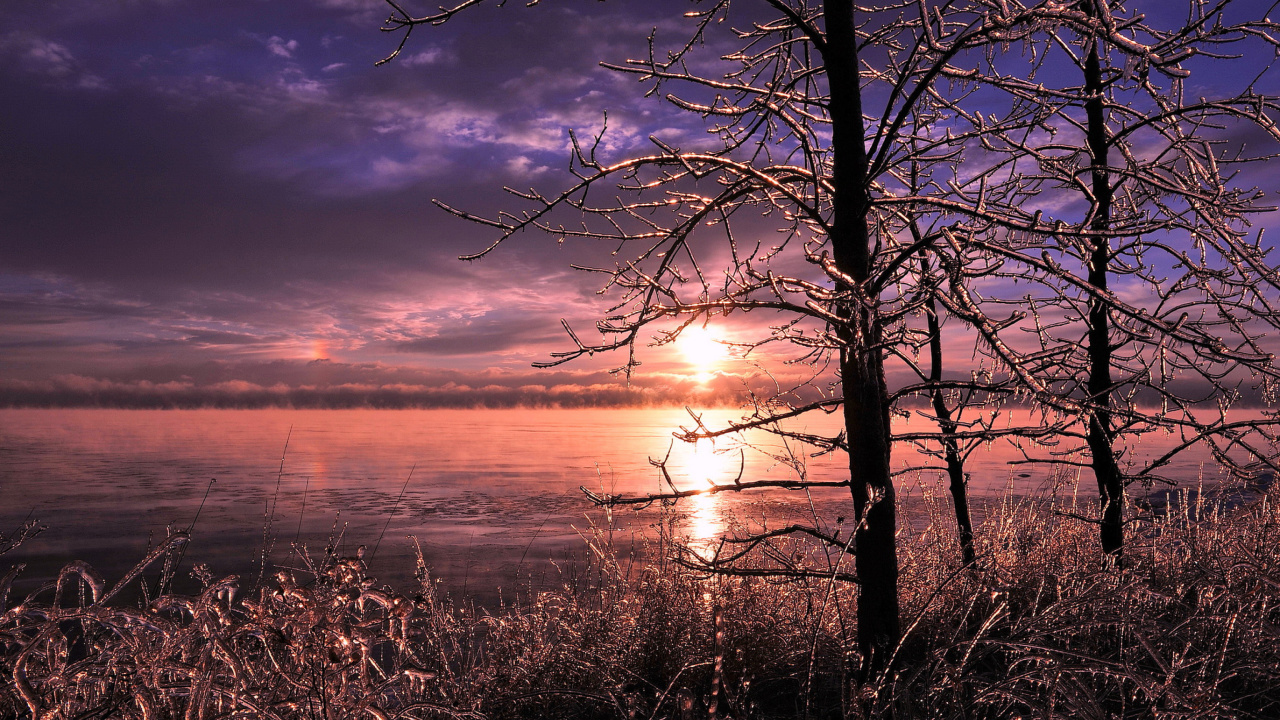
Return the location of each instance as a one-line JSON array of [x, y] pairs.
[[228, 200], [217, 194]]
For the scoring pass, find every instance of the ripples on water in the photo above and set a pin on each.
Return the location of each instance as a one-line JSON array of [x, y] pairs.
[[494, 497]]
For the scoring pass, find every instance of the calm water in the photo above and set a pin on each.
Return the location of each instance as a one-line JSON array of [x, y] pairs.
[[493, 498]]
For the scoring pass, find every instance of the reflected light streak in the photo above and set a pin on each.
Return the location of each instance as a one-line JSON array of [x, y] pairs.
[[706, 521]]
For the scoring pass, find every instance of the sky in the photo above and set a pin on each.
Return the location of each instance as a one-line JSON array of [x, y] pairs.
[[229, 203]]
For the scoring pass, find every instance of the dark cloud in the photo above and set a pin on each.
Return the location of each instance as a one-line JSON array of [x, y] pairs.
[[213, 337], [482, 337]]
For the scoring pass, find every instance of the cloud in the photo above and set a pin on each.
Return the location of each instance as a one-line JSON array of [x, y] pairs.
[[411, 317], [351, 4], [279, 46], [324, 384], [430, 56], [523, 167], [482, 337], [297, 85], [51, 60], [431, 134], [364, 13], [316, 115]]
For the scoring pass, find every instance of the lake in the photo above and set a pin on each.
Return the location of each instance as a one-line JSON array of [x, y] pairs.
[[492, 496]]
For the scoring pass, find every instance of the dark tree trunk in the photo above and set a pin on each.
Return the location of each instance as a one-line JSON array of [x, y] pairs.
[[866, 406], [1100, 437], [950, 446]]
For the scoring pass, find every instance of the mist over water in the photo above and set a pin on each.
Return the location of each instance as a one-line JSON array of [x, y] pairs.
[[493, 498]]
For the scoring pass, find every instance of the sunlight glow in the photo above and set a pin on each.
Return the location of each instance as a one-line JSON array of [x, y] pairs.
[[702, 351]]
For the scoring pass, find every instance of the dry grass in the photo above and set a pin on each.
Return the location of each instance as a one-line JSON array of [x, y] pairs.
[[1045, 628]]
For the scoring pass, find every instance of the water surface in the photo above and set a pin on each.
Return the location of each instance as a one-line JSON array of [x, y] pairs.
[[492, 496]]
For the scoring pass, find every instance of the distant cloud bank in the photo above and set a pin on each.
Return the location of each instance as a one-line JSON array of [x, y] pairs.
[[481, 390], [324, 384]]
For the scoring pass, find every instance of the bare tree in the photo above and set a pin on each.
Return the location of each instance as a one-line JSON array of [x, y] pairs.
[[813, 115], [896, 201], [1153, 296]]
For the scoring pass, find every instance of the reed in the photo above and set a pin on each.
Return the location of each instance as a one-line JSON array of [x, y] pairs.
[[1041, 627]]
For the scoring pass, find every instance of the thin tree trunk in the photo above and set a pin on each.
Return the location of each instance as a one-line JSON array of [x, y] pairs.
[[866, 406], [950, 446], [947, 426], [1100, 437]]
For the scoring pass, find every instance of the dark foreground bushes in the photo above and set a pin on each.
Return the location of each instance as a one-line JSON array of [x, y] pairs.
[[1044, 628]]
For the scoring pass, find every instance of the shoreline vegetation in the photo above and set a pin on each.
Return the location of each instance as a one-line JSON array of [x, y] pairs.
[[1042, 626]]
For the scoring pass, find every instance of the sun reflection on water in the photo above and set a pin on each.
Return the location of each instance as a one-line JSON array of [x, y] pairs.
[[706, 466]]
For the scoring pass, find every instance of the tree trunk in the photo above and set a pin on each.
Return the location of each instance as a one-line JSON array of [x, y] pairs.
[[1100, 437], [950, 446], [866, 405]]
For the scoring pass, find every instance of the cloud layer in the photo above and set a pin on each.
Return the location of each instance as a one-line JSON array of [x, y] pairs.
[[200, 200], [325, 384], [238, 184]]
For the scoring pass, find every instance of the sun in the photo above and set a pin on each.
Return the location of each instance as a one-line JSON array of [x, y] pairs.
[[700, 349]]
